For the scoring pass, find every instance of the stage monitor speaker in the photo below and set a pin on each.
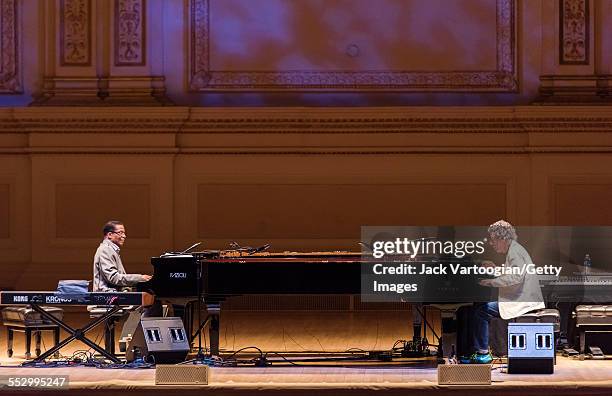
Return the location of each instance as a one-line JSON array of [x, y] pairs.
[[159, 340], [181, 374], [464, 374], [531, 348]]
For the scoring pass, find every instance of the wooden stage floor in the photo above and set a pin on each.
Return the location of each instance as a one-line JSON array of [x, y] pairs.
[[573, 377], [303, 331]]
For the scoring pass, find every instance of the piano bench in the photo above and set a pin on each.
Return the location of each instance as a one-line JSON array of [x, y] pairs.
[[96, 311], [594, 323], [28, 321], [547, 315]]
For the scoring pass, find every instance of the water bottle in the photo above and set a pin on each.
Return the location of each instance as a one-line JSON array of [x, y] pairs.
[[587, 263]]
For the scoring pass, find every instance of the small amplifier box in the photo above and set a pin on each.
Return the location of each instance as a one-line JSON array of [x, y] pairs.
[[181, 374], [464, 374]]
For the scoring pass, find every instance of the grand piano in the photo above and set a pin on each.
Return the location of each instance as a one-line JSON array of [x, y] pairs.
[[217, 275]]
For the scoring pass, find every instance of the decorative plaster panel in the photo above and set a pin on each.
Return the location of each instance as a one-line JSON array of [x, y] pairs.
[[75, 32], [574, 32], [204, 75], [10, 81], [130, 28]]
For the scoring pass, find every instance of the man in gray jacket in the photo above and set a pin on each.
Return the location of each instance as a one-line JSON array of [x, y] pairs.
[[109, 274]]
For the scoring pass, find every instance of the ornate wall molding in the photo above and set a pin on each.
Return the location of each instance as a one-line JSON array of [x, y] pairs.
[[10, 80], [130, 32], [75, 32], [203, 78], [316, 131], [574, 32], [575, 89]]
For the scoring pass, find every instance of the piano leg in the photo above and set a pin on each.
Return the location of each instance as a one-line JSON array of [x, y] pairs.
[[186, 313], [213, 331], [28, 337], [9, 341], [38, 336], [190, 315], [109, 335]]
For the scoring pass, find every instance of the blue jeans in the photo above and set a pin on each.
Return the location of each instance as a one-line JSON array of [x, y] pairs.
[[481, 316]]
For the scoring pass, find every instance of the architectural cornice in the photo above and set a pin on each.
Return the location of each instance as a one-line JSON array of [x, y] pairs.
[[398, 130], [10, 79]]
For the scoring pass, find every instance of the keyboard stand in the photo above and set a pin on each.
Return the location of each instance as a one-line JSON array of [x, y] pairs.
[[76, 334]]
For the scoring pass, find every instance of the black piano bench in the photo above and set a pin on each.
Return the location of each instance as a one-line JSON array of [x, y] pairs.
[[96, 311], [26, 320]]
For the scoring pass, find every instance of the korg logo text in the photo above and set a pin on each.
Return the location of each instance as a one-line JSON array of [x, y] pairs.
[[20, 298], [182, 275], [56, 300]]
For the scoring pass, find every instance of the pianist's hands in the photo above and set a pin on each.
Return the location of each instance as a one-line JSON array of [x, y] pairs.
[[488, 264], [146, 278], [485, 282]]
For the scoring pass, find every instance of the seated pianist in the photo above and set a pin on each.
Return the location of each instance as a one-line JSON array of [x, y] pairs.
[[518, 294], [108, 272]]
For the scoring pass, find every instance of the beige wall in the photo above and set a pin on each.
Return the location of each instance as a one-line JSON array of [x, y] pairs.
[[301, 179]]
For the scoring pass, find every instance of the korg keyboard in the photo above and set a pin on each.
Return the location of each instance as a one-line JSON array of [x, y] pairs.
[[113, 300], [95, 298]]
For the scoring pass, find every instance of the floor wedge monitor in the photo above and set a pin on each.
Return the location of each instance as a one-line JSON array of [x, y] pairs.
[[159, 340]]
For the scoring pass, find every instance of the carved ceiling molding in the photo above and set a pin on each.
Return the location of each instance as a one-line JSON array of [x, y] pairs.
[[503, 79], [130, 32], [574, 32], [75, 32], [313, 152], [10, 79], [313, 131], [313, 121]]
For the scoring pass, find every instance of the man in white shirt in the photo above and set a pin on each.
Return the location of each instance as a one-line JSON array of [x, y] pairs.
[[518, 294]]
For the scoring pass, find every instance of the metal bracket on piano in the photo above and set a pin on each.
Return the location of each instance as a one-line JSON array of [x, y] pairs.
[[76, 334]]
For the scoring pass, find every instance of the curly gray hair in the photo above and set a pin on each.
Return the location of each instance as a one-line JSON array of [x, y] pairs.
[[502, 230]]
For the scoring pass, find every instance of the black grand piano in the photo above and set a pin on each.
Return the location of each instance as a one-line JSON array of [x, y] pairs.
[[217, 275]]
